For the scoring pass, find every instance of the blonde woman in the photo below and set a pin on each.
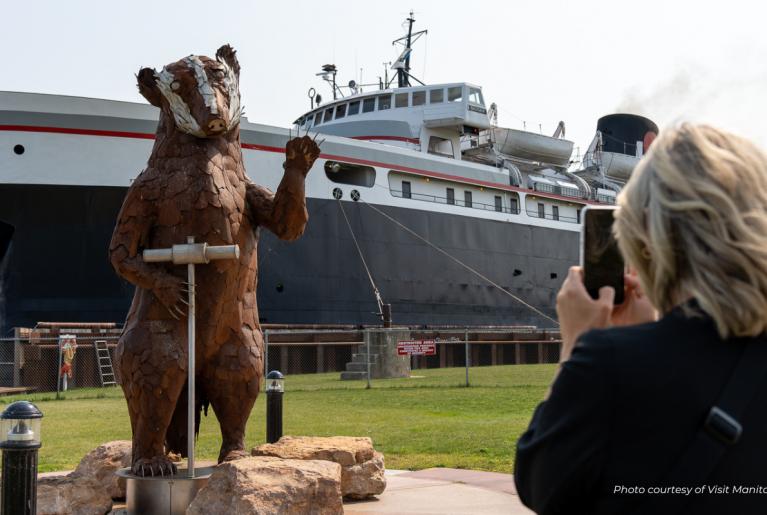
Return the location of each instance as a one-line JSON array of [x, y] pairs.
[[666, 411]]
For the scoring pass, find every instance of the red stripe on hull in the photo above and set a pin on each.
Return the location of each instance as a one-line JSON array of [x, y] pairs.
[[82, 132]]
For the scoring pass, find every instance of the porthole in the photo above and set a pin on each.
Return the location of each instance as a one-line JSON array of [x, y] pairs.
[[355, 195], [553, 275], [18, 149], [337, 193], [279, 288], [517, 272]]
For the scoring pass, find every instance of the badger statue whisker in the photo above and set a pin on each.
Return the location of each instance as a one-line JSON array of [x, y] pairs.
[[195, 185]]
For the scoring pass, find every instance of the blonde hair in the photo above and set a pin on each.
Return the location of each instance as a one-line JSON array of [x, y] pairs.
[[698, 204]]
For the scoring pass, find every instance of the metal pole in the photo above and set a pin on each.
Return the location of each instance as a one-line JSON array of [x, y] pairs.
[[266, 354], [58, 379], [467, 356], [367, 345], [191, 371]]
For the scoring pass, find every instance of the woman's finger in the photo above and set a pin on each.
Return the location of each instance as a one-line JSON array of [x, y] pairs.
[[607, 296]]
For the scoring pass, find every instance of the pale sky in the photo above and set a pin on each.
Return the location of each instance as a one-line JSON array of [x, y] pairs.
[[541, 61]]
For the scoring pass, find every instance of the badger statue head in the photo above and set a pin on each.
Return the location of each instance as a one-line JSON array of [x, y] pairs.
[[201, 94]]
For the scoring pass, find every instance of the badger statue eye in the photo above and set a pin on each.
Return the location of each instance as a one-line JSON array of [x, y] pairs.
[[220, 74], [175, 85]]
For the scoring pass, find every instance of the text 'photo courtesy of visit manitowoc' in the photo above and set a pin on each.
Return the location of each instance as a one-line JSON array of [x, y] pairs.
[[403, 240]]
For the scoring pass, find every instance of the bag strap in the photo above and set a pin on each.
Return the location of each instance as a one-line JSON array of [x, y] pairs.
[[720, 431]]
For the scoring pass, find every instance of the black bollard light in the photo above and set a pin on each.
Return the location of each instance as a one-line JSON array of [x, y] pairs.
[[19, 440], [275, 387]]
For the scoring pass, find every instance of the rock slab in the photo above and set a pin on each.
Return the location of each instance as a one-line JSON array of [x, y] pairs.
[[362, 468], [102, 463], [271, 486], [74, 494]]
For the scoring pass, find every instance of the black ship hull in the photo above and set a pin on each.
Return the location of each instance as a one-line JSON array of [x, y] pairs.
[[57, 268]]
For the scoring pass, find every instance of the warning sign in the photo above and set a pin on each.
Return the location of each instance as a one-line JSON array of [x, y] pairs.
[[415, 347]]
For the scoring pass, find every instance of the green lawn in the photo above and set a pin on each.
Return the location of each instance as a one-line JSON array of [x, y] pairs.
[[417, 423]]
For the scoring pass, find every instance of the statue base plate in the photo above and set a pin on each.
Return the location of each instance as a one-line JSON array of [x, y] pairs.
[[168, 495]]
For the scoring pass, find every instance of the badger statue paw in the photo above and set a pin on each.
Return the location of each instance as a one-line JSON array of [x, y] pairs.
[[158, 466]]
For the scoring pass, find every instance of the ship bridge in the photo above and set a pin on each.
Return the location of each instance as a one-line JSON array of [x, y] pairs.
[[428, 119]]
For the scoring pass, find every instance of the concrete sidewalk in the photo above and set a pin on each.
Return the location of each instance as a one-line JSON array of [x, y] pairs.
[[441, 491]]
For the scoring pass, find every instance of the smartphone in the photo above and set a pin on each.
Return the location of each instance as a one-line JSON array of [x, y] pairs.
[[601, 260]]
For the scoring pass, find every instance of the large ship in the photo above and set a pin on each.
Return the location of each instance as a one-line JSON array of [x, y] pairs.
[[505, 203]]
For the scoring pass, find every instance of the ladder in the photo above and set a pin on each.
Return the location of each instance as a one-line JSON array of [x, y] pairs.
[[104, 363]]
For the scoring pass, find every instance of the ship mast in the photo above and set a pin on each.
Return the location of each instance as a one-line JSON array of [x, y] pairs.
[[402, 65]]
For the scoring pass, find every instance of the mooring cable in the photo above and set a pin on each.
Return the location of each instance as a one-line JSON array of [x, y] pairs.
[[375, 289], [454, 259]]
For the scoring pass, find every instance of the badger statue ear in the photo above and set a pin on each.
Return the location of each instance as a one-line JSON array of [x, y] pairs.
[[147, 86], [227, 54]]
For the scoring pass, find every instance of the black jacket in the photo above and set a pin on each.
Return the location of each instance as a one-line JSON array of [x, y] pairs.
[[624, 408]]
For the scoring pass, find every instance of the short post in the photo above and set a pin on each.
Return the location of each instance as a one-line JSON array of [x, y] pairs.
[[466, 340], [58, 374], [266, 353], [190, 254], [275, 388], [19, 441], [367, 351]]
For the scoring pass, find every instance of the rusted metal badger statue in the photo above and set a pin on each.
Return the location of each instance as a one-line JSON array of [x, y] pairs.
[[195, 185]]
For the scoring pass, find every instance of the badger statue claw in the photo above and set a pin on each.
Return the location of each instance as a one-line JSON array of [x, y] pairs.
[[195, 185]]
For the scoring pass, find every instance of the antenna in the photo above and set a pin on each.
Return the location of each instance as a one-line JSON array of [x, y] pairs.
[[402, 65]]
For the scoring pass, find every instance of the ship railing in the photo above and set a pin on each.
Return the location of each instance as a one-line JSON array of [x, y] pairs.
[[606, 199], [560, 190], [551, 216], [456, 202]]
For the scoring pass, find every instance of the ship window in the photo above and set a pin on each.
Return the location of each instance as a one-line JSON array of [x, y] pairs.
[[406, 190], [347, 173], [541, 211], [578, 215], [498, 204], [440, 147], [436, 96], [384, 102], [328, 114], [354, 108], [318, 118], [475, 96], [419, 98], [451, 196], [555, 213], [368, 105], [400, 99], [513, 206], [340, 111], [467, 198], [455, 94]]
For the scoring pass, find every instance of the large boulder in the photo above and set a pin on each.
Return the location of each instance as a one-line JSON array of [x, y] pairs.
[[362, 468], [73, 494], [102, 463], [271, 486]]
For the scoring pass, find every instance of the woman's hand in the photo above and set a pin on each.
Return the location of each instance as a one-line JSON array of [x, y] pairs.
[[636, 307], [578, 312]]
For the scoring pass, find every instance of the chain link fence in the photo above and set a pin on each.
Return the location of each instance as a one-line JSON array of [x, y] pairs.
[[412, 357], [39, 366], [69, 366]]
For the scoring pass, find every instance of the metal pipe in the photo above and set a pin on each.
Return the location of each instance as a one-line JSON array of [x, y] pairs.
[[58, 379], [191, 370], [467, 356], [266, 354], [367, 350]]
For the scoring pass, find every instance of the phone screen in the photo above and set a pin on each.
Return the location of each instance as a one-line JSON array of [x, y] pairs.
[[601, 260]]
